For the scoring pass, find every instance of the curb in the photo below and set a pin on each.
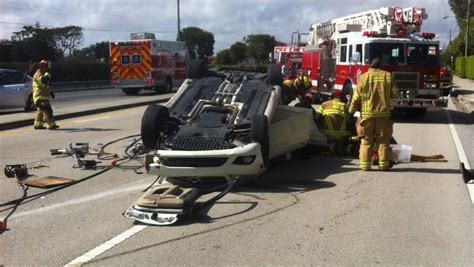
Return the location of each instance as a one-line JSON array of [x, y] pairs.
[[27, 122]]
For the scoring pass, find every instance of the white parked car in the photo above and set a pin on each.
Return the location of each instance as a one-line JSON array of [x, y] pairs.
[[215, 131], [15, 90]]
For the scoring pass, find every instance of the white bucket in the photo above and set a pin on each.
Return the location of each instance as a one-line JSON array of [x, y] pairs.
[[401, 153]]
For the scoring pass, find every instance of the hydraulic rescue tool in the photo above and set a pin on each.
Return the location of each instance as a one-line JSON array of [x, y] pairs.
[[78, 151]]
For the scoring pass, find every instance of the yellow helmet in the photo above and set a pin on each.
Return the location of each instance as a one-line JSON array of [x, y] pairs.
[[304, 81]]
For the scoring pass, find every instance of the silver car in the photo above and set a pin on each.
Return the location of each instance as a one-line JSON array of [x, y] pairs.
[[15, 90]]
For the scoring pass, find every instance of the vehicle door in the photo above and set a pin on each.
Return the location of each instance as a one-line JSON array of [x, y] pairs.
[[12, 90]]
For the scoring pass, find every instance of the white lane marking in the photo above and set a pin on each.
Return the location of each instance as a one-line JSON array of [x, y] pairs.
[[91, 254], [461, 154], [80, 200], [92, 119]]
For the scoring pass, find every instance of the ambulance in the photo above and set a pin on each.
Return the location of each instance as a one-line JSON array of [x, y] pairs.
[[146, 63]]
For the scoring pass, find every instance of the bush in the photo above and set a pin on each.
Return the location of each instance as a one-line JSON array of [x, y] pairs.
[[69, 71], [470, 68], [461, 67]]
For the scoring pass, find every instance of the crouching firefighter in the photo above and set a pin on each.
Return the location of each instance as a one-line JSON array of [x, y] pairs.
[[41, 97], [297, 88], [334, 122]]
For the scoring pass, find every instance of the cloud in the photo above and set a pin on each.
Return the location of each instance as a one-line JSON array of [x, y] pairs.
[[228, 20]]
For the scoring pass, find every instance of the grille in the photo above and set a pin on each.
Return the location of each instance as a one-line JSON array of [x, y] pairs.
[[193, 162], [196, 144], [406, 80]]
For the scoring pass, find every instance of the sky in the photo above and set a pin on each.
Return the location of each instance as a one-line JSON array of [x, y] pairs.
[[228, 20]]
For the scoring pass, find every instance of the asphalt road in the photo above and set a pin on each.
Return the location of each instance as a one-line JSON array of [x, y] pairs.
[[319, 210]]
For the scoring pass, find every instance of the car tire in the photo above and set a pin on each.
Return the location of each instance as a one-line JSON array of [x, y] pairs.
[[131, 91], [259, 134], [197, 68], [168, 85], [153, 122], [30, 105], [275, 77]]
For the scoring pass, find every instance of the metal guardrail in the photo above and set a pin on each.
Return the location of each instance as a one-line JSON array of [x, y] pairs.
[[80, 85]]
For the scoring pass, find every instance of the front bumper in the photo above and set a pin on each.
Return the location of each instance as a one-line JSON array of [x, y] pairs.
[[209, 163]]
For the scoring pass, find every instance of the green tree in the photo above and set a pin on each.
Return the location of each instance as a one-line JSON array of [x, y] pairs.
[[457, 46], [67, 38], [224, 57], [34, 43], [200, 43], [238, 52], [98, 52], [259, 46]]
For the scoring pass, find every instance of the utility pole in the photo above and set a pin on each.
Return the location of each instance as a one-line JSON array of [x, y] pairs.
[[467, 27], [179, 26]]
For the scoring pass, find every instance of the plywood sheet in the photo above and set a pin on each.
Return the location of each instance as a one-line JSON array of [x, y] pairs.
[[46, 182]]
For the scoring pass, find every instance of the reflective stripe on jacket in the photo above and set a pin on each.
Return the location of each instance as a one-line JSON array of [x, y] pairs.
[[40, 89], [373, 93], [334, 119]]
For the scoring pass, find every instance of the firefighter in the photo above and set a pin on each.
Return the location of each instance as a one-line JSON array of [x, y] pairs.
[[41, 97], [334, 122], [372, 95], [297, 88]]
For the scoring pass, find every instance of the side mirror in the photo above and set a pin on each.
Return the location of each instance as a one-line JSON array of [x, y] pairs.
[[355, 57]]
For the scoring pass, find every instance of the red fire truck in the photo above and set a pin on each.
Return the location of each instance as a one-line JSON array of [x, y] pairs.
[[340, 50], [289, 57], [145, 63]]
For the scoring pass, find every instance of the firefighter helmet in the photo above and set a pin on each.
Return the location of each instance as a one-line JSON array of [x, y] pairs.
[[45, 63], [303, 81]]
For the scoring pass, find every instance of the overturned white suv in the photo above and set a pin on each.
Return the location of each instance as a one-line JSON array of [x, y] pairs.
[[214, 131]]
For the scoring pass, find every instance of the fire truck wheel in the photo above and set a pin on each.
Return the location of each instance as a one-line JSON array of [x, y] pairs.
[[259, 134], [275, 77], [153, 122], [131, 91], [165, 88], [197, 68], [168, 85]]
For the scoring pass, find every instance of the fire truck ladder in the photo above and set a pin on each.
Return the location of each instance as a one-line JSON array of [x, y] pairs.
[[383, 21]]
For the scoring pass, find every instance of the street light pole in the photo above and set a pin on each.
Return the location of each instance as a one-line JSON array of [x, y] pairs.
[[467, 27], [179, 26]]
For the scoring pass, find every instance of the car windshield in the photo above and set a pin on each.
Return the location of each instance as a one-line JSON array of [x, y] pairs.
[[422, 54], [14, 77], [388, 53]]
